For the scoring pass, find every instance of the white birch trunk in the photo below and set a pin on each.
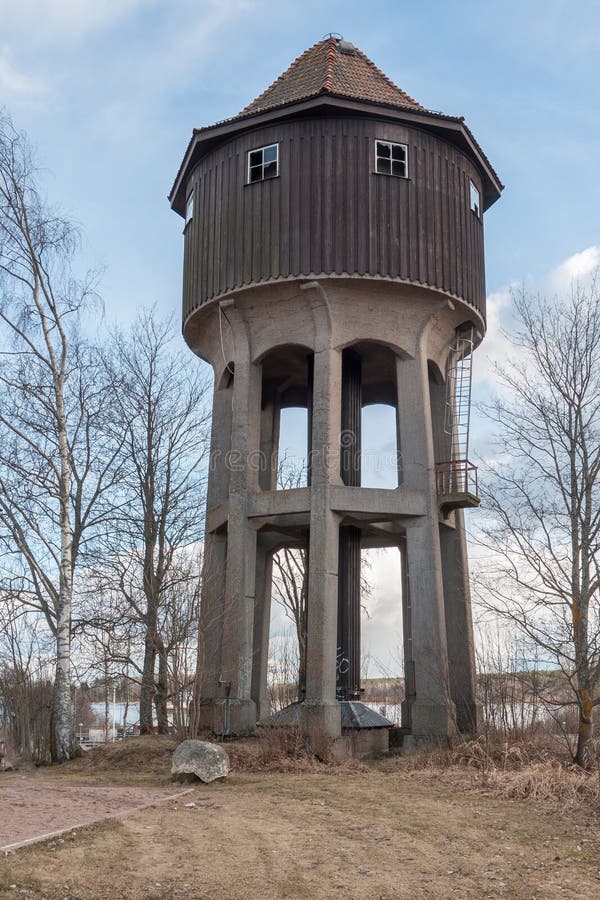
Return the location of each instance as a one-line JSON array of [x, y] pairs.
[[62, 708]]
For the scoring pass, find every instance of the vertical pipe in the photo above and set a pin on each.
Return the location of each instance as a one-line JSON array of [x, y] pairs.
[[348, 652], [310, 378]]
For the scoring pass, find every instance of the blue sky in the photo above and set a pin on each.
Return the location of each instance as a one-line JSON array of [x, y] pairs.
[[109, 91]]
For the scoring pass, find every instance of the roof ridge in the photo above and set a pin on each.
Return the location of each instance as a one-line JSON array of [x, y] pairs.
[[329, 64]]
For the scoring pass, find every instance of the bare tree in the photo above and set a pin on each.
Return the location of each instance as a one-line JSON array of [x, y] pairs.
[[290, 586], [178, 642], [543, 494], [160, 402], [52, 463], [25, 681]]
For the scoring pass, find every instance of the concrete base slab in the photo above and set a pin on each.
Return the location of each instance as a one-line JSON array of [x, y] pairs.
[[230, 717], [469, 718], [433, 721], [367, 741]]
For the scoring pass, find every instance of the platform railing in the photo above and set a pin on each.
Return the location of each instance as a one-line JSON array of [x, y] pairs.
[[456, 476]]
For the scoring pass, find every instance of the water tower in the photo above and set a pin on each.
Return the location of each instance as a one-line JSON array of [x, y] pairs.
[[334, 258]]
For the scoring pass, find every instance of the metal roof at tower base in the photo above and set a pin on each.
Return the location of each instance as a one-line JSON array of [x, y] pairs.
[[354, 714], [334, 73]]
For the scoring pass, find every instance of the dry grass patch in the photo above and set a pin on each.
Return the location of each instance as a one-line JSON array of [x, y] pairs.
[[144, 760], [515, 770]]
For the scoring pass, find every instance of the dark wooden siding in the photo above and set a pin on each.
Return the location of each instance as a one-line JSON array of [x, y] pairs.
[[329, 213]]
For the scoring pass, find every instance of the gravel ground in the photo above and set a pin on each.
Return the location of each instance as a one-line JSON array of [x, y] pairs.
[[31, 807]]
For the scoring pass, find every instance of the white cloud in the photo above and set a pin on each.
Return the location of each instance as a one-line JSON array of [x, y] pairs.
[[15, 84], [578, 267], [496, 346], [72, 20], [382, 630]]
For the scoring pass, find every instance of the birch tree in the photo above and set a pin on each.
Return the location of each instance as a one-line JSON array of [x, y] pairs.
[[52, 467], [543, 494]]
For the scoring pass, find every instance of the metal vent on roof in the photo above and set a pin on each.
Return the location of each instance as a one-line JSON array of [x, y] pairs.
[[347, 47]]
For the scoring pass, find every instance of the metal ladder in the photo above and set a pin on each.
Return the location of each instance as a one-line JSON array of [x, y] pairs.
[[457, 413]]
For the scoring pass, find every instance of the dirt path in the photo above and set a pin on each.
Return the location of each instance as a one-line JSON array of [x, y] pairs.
[[31, 807], [369, 836]]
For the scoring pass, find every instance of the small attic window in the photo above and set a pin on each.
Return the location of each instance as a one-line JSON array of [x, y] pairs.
[[189, 209], [391, 159], [475, 199], [263, 163]]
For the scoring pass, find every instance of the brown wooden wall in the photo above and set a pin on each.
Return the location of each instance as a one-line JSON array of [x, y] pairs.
[[329, 213]]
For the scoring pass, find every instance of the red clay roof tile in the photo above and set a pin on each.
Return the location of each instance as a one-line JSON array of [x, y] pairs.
[[331, 67]]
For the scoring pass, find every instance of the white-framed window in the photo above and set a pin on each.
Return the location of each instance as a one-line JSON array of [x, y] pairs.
[[391, 159], [263, 163], [189, 209], [475, 199]]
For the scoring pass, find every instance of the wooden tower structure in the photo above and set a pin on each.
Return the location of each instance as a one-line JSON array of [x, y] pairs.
[[334, 258]]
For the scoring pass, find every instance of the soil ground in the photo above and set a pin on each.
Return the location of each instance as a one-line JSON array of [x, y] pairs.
[[381, 833]]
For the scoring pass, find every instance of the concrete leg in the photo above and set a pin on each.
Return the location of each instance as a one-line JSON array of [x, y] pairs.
[[459, 626], [235, 712], [262, 621], [211, 625], [432, 711], [409, 665], [210, 638], [269, 436], [321, 715]]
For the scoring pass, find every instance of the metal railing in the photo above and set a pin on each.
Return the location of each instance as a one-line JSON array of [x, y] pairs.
[[456, 476]]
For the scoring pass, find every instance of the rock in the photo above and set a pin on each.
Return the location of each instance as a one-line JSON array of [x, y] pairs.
[[200, 758]]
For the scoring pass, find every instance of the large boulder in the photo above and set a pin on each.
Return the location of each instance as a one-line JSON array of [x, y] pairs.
[[200, 758]]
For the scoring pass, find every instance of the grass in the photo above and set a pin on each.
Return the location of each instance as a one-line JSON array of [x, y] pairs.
[[537, 770]]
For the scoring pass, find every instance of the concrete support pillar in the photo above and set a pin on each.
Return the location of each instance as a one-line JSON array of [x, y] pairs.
[[348, 649], [220, 443], [211, 625], [215, 555], [442, 442], [236, 712], [409, 666], [431, 713], [262, 622], [269, 436], [321, 719], [459, 626]]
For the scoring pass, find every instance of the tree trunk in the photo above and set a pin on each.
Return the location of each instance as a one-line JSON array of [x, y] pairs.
[[302, 666], [162, 693], [301, 629], [125, 709], [62, 713], [584, 755], [148, 686]]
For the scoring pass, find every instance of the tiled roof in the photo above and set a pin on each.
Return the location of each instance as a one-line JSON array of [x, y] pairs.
[[332, 66]]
